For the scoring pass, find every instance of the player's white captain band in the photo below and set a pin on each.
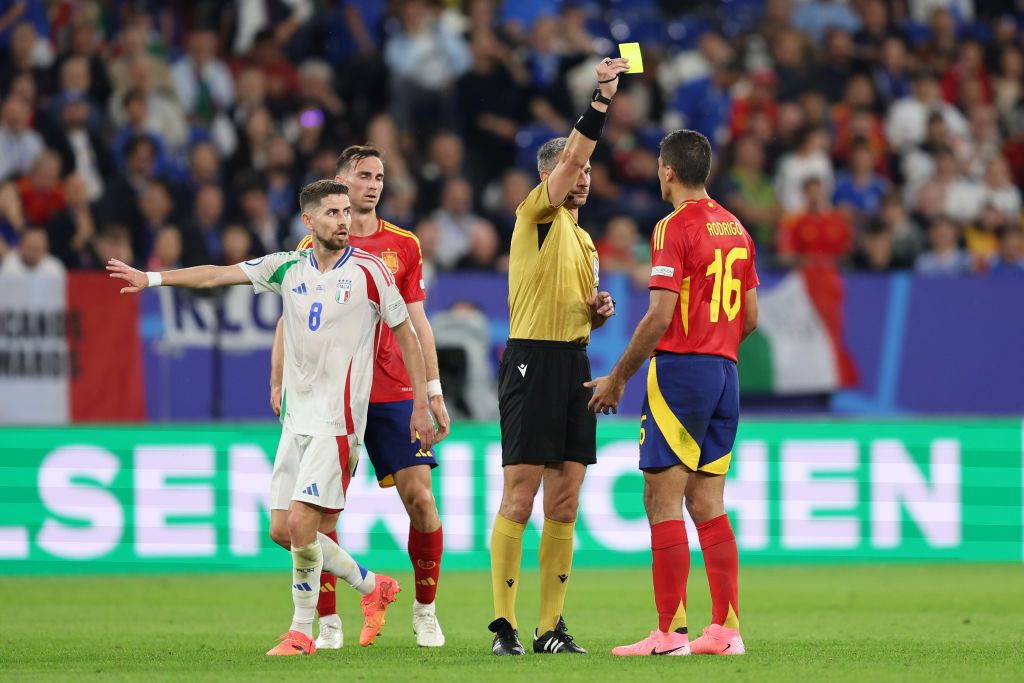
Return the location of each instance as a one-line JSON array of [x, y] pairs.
[[433, 388], [155, 279]]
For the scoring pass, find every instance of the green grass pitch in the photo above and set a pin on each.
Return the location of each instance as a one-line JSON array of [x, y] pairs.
[[921, 622]]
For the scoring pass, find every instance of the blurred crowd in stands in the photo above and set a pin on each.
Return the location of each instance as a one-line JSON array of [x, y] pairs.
[[867, 134]]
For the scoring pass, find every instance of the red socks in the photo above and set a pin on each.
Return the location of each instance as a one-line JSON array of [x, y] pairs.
[[721, 561], [671, 566], [425, 553], [327, 603]]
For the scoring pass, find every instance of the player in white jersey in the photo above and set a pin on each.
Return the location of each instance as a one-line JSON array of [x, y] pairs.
[[334, 296]]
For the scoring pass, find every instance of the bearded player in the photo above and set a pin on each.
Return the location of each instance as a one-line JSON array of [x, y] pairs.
[[334, 297], [703, 304], [395, 461]]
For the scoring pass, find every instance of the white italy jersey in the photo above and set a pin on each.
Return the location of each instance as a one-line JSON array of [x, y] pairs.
[[330, 320]]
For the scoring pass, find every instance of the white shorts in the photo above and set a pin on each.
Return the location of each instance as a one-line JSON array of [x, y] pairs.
[[313, 469]]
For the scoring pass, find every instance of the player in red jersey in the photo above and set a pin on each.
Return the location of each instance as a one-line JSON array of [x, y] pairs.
[[703, 304], [395, 460]]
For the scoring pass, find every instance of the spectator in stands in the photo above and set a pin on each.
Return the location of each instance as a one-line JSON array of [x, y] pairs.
[[906, 234], [238, 245], [483, 249], [317, 94], [876, 28], [202, 237], [138, 122], [446, 162], [456, 220], [203, 82], [1010, 260], [254, 142], [821, 19], [1009, 85], [282, 79], [491, 103], [999, 190], [515, 185], [891, 75], [282, 186], [875, 251], [704, 104], [71, 230], [790, 53], [621, 250], [19, 144], [860, 190], [835, 69], [113, 241], [167, 250], [84, 42], [747, 190], [808, 160], [42, 191], [132, 49], [32, 256], [981, 237], [156, 206], [26, 53], [969, 66], [949, 192], [281, 23], [140, 169], [250, 95], [203, 168], [907, 119], [425, 58], [162, 111], [81, 150], [820, 235], [854, 118], [257, 217], [944, 257]]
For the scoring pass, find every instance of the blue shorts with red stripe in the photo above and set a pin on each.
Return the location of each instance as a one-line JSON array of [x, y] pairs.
[[387, 441], [691, 413]]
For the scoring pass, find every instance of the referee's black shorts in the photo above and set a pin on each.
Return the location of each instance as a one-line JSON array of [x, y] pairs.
[[543, 404]]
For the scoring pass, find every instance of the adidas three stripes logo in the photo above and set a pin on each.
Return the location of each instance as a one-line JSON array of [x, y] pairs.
[[302, 587], [311, 490]]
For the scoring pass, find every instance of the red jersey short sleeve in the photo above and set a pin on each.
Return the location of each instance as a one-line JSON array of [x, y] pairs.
[[703, 252]]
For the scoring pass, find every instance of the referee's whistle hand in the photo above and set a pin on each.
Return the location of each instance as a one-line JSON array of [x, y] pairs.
[[606, 396]]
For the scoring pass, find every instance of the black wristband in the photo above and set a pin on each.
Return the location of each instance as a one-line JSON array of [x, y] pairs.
[[591, 124]]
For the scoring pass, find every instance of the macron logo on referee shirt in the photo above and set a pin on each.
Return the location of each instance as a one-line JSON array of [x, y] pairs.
[[522, 369]]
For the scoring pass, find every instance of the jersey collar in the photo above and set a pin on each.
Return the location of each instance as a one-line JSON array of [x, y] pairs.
[[341, 261]]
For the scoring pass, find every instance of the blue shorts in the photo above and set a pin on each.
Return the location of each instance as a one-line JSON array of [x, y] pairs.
[[691, 412], [387, 441]]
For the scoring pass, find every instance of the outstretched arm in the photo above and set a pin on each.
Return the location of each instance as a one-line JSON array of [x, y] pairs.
[[199, 277], [579, 147], [608, 390], [422, 423]]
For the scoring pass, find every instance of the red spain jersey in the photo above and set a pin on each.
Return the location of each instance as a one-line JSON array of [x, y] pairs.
[[701, 251], [400, 251]]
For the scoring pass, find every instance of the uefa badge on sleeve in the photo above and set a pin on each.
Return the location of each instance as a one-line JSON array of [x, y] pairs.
[[344, 291]]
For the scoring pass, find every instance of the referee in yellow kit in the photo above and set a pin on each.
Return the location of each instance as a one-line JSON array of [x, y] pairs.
[[547, 433]]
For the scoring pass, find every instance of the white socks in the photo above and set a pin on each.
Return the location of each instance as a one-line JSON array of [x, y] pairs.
[[338, 562], [307, 563]]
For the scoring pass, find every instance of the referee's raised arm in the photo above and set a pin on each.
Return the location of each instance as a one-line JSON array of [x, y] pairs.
[[587, 131]]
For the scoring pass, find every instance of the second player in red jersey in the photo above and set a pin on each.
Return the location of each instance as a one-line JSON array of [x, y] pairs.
[[701, 251], [703, 304]]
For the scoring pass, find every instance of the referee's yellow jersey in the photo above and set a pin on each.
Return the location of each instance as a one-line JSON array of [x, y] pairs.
[[553, 269]]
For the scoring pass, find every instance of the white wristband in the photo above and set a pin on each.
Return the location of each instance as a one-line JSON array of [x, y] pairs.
[[433, 388], [155, 279]]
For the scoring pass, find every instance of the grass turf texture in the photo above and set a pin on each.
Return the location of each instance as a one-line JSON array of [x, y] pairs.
[[950, 622]]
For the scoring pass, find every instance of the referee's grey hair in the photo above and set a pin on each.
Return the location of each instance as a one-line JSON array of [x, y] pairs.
[[547, 155]]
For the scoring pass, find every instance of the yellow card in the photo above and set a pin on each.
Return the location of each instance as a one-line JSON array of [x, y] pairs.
[[631, 51]]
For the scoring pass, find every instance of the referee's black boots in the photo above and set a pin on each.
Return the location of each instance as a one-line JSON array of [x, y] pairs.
[[557, 641], [506, 638]]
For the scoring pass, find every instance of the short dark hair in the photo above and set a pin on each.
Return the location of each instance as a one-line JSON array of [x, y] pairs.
[[313, 193], [688, 154], [354, 154]]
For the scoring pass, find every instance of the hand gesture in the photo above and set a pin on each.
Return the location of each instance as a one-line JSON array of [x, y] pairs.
[[608, 75], [440, 411], [607, 395], [275, 399], [421, 426], [136, 278], [601, 304]]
